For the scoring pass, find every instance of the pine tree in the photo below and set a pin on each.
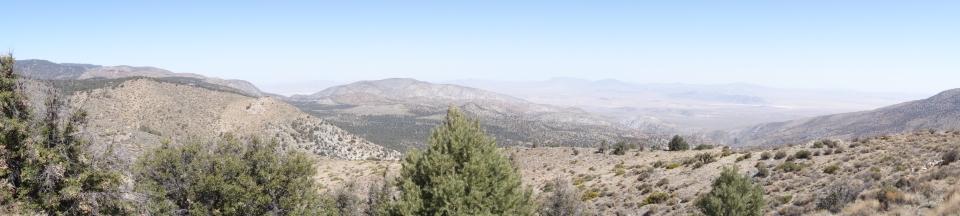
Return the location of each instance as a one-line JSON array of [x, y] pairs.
[[732, 194], [50, 172], [677, 144], [462, 172]]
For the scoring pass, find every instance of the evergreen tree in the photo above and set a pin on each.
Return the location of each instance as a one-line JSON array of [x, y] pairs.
[[228, 177], [677, 144], [462, 172], [732, 194], [50, 172]]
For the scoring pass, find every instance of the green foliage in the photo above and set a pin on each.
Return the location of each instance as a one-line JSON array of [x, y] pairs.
[[762, 171], [621, 147], [764, 155], [748, 155], [831, 169], [791, 167], [44, 163], [732, 194], [226, 177], [780, 155], [655, 198], [818, 144], [673, 165], [803, 154], [677, 144], [703, 147], [589, 195], [460, 173], [620, 172]]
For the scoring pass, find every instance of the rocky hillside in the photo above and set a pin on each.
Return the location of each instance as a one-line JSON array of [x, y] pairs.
[[42, 69], [897, 174], [137, 113], [399, 113], [939, 112]]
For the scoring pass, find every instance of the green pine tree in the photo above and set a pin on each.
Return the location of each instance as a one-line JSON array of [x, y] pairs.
[[732, 194], [677, 144], [462, 172], [52, 171]]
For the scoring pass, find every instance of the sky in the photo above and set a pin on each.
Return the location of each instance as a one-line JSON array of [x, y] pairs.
[[878, 46]]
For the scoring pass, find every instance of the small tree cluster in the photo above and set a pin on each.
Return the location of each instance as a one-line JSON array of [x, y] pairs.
[[226, 177], [621, 147], [677, 144]]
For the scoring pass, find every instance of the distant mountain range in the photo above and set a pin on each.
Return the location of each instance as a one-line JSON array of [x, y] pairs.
[[939, 112], [705, 107], [400, 113], [43, 69]]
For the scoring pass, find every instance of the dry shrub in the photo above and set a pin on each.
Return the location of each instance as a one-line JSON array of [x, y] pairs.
[[951, 204], [890, 196]]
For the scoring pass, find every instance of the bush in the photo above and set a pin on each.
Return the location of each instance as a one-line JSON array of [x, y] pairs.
[[589, 195], [655, 198], [837, 196], [458, 171], [705, 157], [780, 155], [677, 144], [703, 147], [673, 165], [790, 167], [950, 156], [621, 147], [889, 196], [564, 201], [818, 144], [831, 169], [732, 194], [764, 155], [227, 177], [803, 154], [740, 159], [762, 172], [748, 155]]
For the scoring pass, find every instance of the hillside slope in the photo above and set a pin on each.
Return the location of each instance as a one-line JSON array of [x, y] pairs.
[[939, 112], [43, 69], [138, 113], [399, 113]]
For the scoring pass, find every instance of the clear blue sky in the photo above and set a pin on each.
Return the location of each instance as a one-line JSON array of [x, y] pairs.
[[905, 46]]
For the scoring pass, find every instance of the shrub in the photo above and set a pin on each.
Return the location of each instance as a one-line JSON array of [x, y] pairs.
[[748, 155], [705, 157], [589, 195], [950, 156], [762, 172], [785, 199], [831, 169], [837, 196], [621, 148], [725, 153], [740, 159], [703, 147], [563, 201], [803, 154], [780, 155], [444, 178], [889, 196], [663, 182], [655, 198], [818, 144], [830, 143], [228, 177], [620, 172], [790, 167], [764, 155], [603, 147], [732, 194], [677, 144], [658, 164], [673, 165]]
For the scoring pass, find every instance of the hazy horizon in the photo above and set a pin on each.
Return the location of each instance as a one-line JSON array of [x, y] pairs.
[[867, 46]]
